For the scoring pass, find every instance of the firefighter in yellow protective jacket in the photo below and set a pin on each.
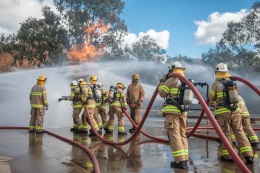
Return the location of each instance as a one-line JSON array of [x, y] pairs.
[[117, 102], [249, 132], [38, 100], [134, 97], [87, 98], [77, 105], [175, 119], [100, 96], [223, 96]]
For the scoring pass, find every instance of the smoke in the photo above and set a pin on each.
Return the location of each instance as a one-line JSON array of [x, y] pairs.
[[16, 86]]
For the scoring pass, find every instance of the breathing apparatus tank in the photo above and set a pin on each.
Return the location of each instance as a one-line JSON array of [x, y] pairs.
[[232, 92], [188, 95], [97, 92], [111, 93]]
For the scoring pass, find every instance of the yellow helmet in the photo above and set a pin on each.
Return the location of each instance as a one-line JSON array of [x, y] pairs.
[[42, 78], [93, 79], [135, 76], [83, 83], [120, 85]]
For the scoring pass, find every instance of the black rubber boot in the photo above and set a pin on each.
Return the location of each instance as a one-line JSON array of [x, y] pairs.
[[255, 144], [249, 160], [179, 165], [122, 133], [227, 160], [132, 130]]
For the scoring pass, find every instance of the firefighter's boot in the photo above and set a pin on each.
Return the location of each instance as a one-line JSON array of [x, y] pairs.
[[249, 160], [179, 165]]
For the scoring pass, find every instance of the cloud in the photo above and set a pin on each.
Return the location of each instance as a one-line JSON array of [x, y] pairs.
[[14, 12], [161, 38], [210, 32]]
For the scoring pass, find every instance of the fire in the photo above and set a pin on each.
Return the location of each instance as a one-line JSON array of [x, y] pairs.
[[87, 51]]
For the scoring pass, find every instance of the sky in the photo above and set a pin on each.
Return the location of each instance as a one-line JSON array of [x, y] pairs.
[[181, 27]]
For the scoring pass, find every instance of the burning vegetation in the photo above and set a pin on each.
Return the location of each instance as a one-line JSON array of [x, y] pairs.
[[95, 44]]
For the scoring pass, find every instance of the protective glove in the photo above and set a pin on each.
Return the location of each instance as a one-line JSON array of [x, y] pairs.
[[64, 98], [46, 107], [125, 108], [139, 102]]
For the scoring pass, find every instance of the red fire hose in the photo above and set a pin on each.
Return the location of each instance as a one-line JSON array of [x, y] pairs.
[[253, 87]]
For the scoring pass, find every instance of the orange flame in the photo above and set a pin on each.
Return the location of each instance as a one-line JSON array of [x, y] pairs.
[[86, 51]]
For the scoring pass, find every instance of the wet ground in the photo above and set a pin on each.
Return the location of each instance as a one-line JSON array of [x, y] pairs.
[[22, 152]]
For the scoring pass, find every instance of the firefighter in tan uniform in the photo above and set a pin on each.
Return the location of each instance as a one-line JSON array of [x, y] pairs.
[[87, 98], [223, 96], [117, 102], [175, 118], [77, 105], [249, 132], [134, 97], [100, 96], [38, 100]]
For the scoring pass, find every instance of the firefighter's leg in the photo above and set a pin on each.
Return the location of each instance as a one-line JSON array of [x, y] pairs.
[[78, 123], [121, 121], [172, 124], [243, 143], [92, 119], [39, 124], [110, 124], [183, 127], [97, 118], [223, 121], [32, 120], [84, 126], [104, 119], [251, 135]]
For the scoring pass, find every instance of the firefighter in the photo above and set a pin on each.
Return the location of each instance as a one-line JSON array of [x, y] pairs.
[[134, 97], [87, 98], [249, 132], [39, 101], [77, 105], [100, 96], [117, 102], [175, 117], [224, 98]]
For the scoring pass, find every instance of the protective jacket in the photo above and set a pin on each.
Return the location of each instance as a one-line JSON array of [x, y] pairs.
[[170, 91], [135, 94], [38, 96], [75, 97], [119, 100]]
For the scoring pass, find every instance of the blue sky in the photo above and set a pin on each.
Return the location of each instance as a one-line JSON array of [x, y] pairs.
[[187, 27], [178, 18]]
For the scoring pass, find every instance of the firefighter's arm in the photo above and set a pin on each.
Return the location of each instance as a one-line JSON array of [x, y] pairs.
[[124, 104], [165, 89], [162, 81], [128, 96], [84, 95], [44, 97], [213, 95], [142, 93], [105, 95]]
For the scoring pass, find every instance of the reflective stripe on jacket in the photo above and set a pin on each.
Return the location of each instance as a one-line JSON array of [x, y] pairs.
[[38, 96]]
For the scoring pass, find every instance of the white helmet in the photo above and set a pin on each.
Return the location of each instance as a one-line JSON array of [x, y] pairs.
[[176, 64], [74, 83], [222, 67], [80, 80]]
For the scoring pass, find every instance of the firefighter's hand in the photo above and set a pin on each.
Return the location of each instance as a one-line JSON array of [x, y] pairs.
[[125, 108], [46, 107], [128, 101], [139, 102]]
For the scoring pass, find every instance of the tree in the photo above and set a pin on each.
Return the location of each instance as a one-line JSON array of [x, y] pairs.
[[79, 14], [43, 39], [146, 49]]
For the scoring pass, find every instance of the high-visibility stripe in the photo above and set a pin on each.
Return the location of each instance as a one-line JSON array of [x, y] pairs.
[[222, 110], [36, 93], [246, 149], [178, 153], [37, 106], [225, 152], [253, 138], [212, 93]]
